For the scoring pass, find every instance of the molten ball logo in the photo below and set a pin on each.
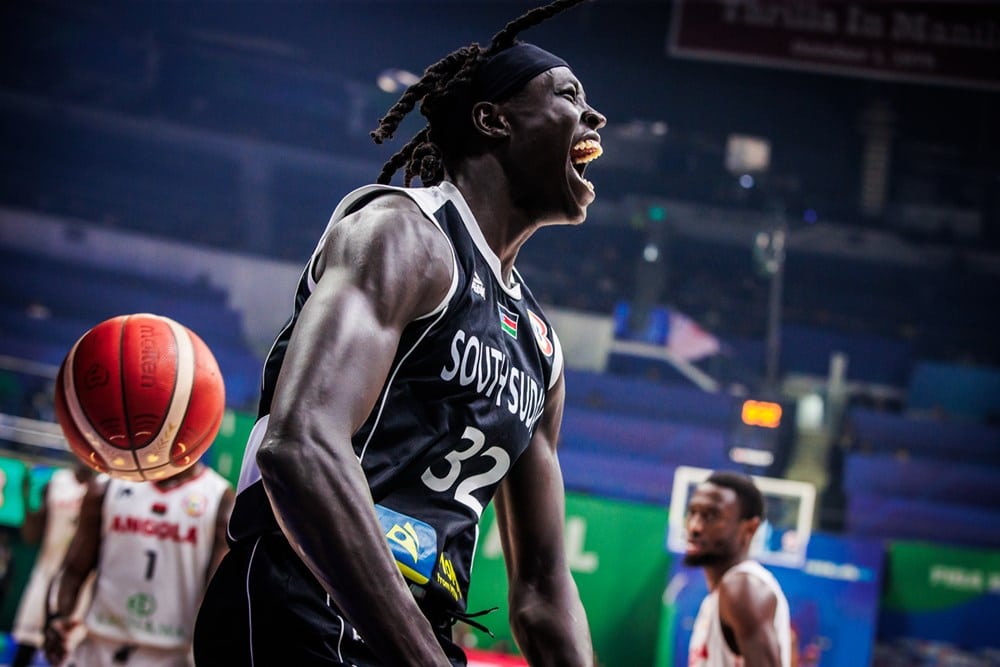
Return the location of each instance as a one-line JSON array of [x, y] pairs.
[[96, 376], [148, 355]]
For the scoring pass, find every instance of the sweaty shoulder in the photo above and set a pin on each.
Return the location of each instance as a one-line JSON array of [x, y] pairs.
[[388, 247], [746, 593]]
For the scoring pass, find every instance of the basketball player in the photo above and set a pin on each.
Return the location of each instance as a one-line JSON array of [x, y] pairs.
[[53, 524], [744, 620], [417, 378], [153, 546]]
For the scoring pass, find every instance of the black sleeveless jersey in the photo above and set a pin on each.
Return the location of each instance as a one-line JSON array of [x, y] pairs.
[[462, 399]]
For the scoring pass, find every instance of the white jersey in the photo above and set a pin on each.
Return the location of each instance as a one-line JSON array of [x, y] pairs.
[[156, 548], [63, 498], [708, 646]]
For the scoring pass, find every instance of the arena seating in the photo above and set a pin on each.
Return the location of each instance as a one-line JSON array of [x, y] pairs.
[[642, 398], [883, 432], [642, 438], [922, 479], [907, 519], [46, 304], [908, 312], [587, 268], [623, 437], [870, 358], [903, 477], [609, 475]]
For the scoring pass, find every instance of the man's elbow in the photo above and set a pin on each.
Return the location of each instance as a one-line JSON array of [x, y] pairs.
[[278, 466], [268, 457], [298, 465], [278, 457], [529, 607]]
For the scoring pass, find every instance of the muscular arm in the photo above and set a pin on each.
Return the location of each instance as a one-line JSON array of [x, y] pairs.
[[747, 607], [546, 615], [80, 561], [381, 268]]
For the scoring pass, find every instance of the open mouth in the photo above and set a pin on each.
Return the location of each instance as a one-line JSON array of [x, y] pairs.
[[583, 153]]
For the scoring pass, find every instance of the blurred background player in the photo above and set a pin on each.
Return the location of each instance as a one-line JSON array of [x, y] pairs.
[[744, 620], [153, 546], [53, 524]]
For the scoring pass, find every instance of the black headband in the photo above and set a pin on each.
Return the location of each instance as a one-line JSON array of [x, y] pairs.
[[507, 72]]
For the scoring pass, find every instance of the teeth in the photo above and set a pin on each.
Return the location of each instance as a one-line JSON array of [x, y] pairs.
[[586, 151]]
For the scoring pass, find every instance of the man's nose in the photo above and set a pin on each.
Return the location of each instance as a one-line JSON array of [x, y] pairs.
[[594, 118]]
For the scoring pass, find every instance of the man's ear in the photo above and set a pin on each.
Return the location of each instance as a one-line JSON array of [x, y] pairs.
[[489, 120], [751, 525]]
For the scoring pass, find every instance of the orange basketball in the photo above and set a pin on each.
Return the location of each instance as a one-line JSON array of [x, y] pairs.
[[139, 397]]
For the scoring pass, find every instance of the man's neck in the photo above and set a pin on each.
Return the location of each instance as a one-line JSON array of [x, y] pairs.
[[505, 227], [179, 478], [715, 573]]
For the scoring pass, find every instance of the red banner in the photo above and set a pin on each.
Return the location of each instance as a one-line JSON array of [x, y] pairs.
[[490, 659], [954, 43]]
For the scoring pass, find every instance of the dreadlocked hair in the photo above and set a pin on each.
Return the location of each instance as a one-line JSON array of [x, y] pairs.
[[444, 94]]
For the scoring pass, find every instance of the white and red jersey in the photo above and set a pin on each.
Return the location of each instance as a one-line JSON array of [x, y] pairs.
[[708, 646], [63, 497], [156, 549]]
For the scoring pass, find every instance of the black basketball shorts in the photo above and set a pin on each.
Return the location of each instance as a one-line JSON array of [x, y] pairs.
[[264, 608]]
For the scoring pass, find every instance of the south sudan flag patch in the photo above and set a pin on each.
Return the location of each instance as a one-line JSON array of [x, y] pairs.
[[508, 321]]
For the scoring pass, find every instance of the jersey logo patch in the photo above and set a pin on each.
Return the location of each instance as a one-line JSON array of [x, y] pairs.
[[141, 605], [477, 286], [195, 505], [541, 331], [508, 321], [413, 543], [447, 578]]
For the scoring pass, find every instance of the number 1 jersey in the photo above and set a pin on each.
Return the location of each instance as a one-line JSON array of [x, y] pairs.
[[156, 548]]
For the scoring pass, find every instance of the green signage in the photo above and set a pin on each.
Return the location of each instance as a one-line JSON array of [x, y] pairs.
[[12, 472], [226, 453], [617, 556], [928, 577]]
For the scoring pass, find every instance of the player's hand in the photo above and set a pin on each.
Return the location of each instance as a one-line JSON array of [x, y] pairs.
[[57, 629]]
